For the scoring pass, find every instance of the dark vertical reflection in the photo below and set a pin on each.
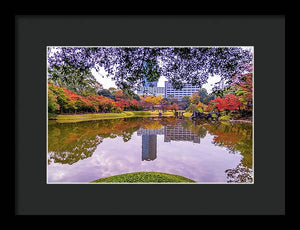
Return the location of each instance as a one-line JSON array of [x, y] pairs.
[[149, 147]]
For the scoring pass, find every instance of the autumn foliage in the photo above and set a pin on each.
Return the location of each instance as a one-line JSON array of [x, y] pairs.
[[152, 100], [240, 95], [173, 106], [66, 101], [230, 102]]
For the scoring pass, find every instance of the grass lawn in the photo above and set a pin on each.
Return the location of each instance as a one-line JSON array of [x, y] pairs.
[[102, 116], [187, 114], [144, 177]]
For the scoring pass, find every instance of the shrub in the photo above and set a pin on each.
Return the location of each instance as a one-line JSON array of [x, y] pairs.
[[225, 118]]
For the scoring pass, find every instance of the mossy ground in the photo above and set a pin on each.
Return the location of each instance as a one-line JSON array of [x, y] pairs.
[[144, 177]]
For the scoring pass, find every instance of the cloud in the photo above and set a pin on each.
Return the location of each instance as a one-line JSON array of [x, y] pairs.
[[202, 162], [100, 76]]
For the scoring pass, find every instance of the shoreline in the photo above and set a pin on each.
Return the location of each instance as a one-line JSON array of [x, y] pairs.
[[245, 121], [72, 118]]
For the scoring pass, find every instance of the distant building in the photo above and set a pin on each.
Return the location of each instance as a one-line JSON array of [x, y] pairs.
[[187, 90], [151, 91]]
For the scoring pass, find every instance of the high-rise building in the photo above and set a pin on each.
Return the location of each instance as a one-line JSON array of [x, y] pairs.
[[187, 90], [150, 88], [149, 84]]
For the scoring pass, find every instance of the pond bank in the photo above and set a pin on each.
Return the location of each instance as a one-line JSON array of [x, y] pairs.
[[242, 120], [70, 118], [62, 118]]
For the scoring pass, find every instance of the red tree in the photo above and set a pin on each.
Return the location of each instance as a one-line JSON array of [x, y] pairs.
[[229, 102]]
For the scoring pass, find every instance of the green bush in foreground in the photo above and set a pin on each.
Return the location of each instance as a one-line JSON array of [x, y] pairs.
[[144, 177]]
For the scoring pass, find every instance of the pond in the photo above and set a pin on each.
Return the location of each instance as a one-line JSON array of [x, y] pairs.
[[214, 152]]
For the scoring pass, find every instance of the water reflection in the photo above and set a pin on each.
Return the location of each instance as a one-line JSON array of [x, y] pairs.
[[171, 132], [69, 144], [149, 147], [237, 138], [179, 133], [149, 142]]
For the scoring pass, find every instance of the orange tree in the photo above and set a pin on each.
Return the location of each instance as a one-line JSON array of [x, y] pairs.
[[153, 100]]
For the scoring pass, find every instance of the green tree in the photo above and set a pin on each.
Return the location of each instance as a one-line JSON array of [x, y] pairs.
[[186, 100], [80, 81], [61, 97], [195, 98], [53, 105], [191, 108], [106, 93], [112, 90], [203, 94], [131, 65], [136, 97]]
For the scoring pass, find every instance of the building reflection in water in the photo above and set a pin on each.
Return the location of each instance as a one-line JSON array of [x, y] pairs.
[[171, 133], [149, 147], [149, 143], [178, 133]]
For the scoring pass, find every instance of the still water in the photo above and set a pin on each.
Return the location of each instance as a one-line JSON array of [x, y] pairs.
[[219, 152]]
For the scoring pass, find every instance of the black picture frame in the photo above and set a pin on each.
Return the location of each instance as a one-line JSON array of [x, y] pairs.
[[32, 33]]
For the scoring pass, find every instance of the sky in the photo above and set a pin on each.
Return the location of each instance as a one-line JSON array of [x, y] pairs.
[[107, 82]]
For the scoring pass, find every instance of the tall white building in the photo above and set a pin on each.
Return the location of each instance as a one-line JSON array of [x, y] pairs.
[[151, 91], [187, 90]]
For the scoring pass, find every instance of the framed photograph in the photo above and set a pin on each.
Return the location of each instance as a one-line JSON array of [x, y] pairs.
[[163, 108], [150, 114]]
